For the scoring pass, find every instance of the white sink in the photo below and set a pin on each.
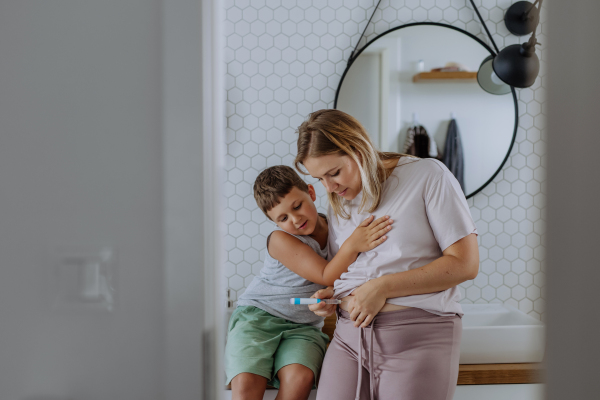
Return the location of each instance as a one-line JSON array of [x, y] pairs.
[[499, 333]]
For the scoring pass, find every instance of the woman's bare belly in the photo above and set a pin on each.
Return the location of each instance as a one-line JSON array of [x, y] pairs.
[[386, 307]]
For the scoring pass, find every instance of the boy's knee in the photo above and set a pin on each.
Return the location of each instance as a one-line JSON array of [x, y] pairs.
[[246, 384], [296, 375]]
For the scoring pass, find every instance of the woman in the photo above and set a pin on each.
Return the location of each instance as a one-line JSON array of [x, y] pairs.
[[399, 313]]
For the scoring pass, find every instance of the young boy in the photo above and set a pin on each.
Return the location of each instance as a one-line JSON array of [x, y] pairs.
[[271, 341]]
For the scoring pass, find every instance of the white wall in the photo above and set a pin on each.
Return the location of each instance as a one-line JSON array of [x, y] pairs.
[[80, 162], [184, 197]]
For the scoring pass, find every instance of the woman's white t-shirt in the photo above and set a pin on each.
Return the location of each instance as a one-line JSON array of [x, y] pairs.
[[430, 213]]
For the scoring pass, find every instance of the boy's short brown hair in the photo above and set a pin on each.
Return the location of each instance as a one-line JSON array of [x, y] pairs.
[[273, 184]]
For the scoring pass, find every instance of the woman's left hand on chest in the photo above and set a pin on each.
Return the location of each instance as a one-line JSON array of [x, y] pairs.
[[365, 303]]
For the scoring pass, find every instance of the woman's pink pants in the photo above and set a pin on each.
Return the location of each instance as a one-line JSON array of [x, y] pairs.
[[408, 354]]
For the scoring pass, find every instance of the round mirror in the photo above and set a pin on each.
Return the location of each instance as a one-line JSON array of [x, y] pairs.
[[415, 90]]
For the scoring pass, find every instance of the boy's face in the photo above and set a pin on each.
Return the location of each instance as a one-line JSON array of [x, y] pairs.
[[296, 213]]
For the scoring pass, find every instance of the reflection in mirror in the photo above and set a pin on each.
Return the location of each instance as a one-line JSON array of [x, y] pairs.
[[390, 88]]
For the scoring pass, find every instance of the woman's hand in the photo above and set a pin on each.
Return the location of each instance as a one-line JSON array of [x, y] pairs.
[[369, 234], [366, 302], [322, 309]]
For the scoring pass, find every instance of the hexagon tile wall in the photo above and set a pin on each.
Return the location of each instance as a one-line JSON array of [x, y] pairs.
[[285, 59]]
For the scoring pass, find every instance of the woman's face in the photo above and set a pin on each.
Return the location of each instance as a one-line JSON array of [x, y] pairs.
[[339, 174]]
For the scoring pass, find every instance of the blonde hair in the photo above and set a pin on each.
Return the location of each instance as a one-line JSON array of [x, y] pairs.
[[328, 132]]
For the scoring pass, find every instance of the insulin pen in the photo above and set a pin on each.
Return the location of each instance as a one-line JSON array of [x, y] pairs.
[[297, 300]]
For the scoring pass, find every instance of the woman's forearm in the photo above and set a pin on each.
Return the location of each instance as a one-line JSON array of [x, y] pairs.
[[441, 274]]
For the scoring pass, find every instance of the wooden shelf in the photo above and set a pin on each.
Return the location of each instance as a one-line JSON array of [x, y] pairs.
[[436, 75], [491, 374]]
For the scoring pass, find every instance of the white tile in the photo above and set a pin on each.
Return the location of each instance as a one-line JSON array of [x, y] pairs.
[[496, 201], [259, 109], [312, 68], [251, 255], [281, 14], [273, 160], [229, 269], [503, 293], [518, 293], [533, 292], [481, 201], [518, 240], [236, 282], [235, 176], [259, 242], [473, 293], [503, 214], [265, 14], [511, 227], [488, 214], [234, 14], [511, 279], [250, 175], [525, 279], [229, 188], [496, 253], [481, 280], [526, 253], [518, 266], [488, 267], [488, 293], [243, 215], [518, 214], [488, 240], [243, 243], [503, 240], [235, 256], [511, 253], [250, 229], [496, 280]]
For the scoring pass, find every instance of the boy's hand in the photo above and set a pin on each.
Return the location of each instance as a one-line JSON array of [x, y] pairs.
[[369, 234], [322, 309]]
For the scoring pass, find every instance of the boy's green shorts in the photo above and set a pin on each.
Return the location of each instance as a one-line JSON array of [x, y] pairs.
[[262, 344]]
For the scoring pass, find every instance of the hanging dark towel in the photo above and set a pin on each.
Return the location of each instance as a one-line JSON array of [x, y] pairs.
[[419, 145], [453, 153]]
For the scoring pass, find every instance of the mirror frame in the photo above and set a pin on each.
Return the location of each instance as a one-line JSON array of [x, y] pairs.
[[488, 48]]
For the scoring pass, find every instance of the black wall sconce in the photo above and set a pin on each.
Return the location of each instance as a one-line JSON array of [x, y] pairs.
[[516, 65]]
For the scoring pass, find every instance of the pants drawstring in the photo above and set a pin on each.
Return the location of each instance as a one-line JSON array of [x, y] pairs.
[[370, 355], [358, 385], [371, 370]]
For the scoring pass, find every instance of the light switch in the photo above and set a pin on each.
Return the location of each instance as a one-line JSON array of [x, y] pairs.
[[84, 278]]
